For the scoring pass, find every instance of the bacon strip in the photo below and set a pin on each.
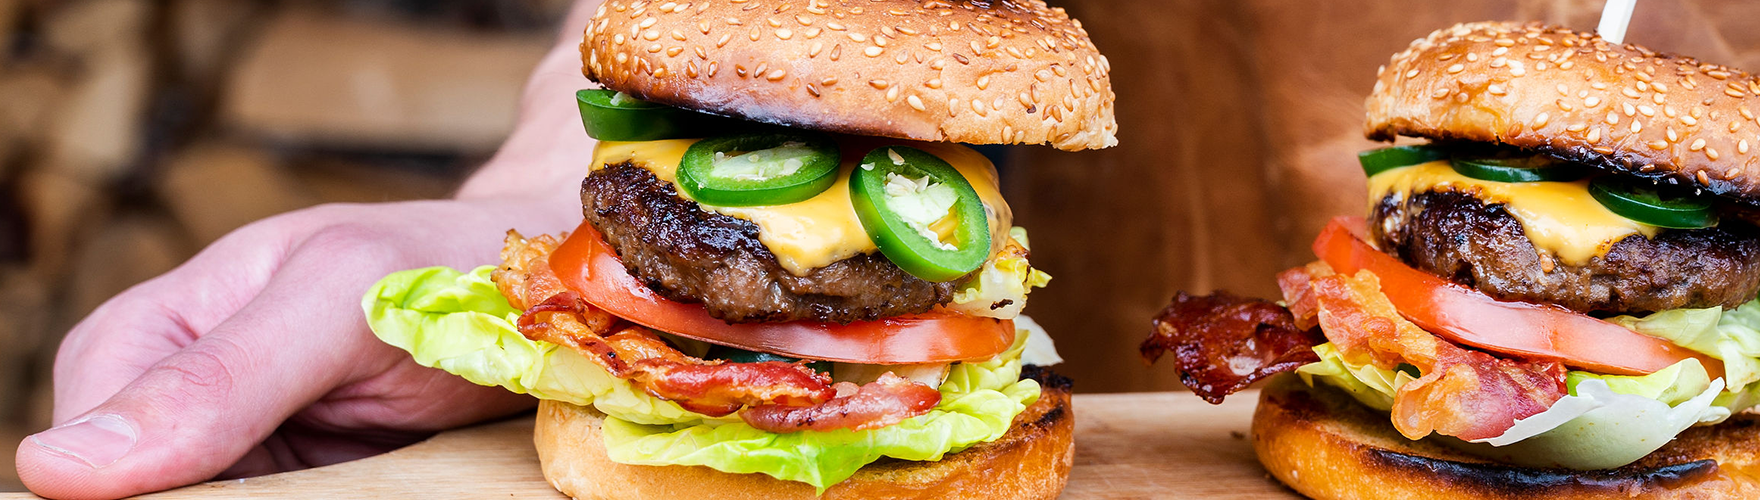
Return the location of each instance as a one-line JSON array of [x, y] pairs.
[[884, 402], [1462, 393], [1223, 343], [778, 397]]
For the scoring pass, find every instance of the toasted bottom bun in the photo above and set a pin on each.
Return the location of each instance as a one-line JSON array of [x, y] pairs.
[[1324, 444], [1031, 461]]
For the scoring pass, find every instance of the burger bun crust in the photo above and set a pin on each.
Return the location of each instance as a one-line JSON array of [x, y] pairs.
[[1009, 72], [1324, 444], [1624, 108], [1031, 461]]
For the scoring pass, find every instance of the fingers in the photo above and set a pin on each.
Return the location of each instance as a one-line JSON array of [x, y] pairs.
[[134, 330], [196, 412]]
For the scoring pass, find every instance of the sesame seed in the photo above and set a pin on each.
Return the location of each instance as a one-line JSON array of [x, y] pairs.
[[784, 33], [1591, 102], [892, 94], [1689, 120], [1637, 126], [1565, 106], [1541, 119], [1734, 126], [879, 84], [1672, 136], [1594, 135], [873, 51], [776, 75], [1456, 68], [1697, 145], [1647, 111], [1613, 118], [915, 102], [1658, 145], [1576, 127], [1413, 73]]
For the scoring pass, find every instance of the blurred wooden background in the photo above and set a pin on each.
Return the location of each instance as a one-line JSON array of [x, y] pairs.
[[133, 132]]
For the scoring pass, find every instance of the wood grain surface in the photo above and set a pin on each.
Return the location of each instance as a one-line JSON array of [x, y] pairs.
[[1143, 445]]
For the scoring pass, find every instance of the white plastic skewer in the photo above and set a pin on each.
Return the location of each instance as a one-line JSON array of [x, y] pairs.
[[1615, 17]]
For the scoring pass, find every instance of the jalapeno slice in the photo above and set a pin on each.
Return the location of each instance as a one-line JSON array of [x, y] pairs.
[[1376, 161], [1654, 205], [759, 169], [613, 116], [1516, 166], [737, 355], [921, 212]]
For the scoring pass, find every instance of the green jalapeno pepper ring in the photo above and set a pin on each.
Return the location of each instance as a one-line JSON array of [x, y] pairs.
[[903, 243]]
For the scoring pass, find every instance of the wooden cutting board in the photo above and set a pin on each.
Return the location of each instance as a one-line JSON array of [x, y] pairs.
[[1146, 445]]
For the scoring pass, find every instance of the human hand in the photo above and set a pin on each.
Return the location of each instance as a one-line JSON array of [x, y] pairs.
[[254, 357]]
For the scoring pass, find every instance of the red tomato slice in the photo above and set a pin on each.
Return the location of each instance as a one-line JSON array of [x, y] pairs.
[[1521, 329], [587, 265]]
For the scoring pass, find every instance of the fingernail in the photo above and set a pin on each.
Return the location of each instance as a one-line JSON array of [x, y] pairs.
[[98, 441]]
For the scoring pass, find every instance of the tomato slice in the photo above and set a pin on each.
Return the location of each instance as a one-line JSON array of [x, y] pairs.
[[1466, 316], [587, 265]]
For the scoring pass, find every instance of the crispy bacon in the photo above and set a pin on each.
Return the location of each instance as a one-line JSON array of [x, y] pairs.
[[1223, 343], [779, 397], [1462, 393], [884, 402]]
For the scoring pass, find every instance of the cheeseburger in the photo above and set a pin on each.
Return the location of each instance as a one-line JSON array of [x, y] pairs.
[[1553, 294], [792, 280]]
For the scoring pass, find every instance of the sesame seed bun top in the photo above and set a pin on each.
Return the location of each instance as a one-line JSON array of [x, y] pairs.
[[1622, 107], [999, 72]]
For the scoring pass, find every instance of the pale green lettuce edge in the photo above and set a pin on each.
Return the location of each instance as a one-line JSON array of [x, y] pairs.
[[1605, 428], [459, 322]]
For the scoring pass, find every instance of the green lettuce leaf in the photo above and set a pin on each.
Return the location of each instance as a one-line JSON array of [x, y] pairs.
[[459, 322], [1605, 421], [1731, 336], [978, 404], [1373, 386]]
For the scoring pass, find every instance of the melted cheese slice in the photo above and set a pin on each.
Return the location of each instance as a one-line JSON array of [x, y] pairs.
[[823, 229], [1561, 218]]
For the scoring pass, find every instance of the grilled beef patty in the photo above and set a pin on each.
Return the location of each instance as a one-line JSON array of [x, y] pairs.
[[1457, 236], [690, 255]]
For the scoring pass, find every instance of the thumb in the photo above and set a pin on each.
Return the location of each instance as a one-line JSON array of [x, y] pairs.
[[199, 410], [183, 421]]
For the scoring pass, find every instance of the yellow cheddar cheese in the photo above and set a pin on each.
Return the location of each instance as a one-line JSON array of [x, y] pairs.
[[824, 229]]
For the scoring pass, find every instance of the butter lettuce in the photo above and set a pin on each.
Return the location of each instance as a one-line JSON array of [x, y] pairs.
[[978, 403], [1005, 279], [1732, 336], [1370, 385], [459, 322], [1605, 421]]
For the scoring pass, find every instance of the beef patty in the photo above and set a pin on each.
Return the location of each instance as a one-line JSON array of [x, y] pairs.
[[1459, 237], [689, 255]]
